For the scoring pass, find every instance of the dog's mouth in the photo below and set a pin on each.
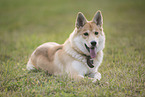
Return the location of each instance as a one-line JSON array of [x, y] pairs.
[[92, 51]]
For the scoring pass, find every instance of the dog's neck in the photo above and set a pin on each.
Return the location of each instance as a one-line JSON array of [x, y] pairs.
[[73, 52]]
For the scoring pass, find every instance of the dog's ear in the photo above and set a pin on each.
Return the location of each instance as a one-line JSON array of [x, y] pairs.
[[81, 20], [98, 19]]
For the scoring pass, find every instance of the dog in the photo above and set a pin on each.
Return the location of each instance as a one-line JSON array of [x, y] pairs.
[[80, 55]]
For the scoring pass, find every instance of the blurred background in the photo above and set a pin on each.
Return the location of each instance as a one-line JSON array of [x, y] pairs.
[[25, 24]]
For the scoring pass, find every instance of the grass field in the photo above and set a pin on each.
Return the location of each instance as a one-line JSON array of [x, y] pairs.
[[25, 24]]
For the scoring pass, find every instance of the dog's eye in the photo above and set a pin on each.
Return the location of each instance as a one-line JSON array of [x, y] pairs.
[[96, 33], [86, 34]]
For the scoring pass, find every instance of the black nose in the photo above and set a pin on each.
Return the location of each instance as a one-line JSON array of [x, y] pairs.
[[93, 43]]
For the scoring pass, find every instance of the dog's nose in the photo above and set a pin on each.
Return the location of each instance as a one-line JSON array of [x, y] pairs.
[[93, 43]]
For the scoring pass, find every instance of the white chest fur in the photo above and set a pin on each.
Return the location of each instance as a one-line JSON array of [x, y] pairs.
[[79, 67]]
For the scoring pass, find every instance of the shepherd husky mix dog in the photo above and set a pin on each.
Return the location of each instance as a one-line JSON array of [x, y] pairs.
[[80, 55]]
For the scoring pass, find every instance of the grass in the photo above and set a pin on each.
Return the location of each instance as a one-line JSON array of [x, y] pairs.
[[24, 25]]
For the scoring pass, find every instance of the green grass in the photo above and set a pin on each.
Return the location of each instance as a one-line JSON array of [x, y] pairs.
[[25, 24]]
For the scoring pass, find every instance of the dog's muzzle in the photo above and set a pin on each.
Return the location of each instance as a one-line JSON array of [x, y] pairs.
[[92, 50]]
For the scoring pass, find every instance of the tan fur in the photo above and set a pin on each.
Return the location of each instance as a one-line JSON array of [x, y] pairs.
[[90, 26], [43, 58], [70, 57]]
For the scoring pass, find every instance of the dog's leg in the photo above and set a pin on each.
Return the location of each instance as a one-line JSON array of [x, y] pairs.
[[77, 77], [95, 76]]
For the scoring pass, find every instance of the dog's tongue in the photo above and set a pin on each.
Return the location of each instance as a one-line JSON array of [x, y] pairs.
[[93, 52]]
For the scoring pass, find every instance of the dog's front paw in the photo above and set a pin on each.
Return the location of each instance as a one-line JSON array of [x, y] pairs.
[[97, 76]]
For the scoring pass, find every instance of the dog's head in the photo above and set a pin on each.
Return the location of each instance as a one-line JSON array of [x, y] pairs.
[[88, 37]]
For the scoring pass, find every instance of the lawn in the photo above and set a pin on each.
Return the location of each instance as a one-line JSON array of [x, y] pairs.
[[25, 24]]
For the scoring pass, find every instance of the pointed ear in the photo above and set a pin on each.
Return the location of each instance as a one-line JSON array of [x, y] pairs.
[[81, 20], [98, 19]]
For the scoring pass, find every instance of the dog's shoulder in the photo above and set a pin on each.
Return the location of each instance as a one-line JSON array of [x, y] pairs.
[[48, 50]]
